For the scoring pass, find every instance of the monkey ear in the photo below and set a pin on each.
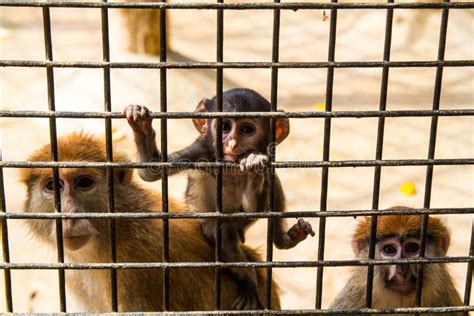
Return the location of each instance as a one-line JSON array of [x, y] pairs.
[[123, 176], [443, 243], [357, 246], [201, 123], [282, 129]]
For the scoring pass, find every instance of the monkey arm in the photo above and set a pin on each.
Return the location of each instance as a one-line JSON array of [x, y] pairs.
[[148, 152], [352, 295], [284, 238]]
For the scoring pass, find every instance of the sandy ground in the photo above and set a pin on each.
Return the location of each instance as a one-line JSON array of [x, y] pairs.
[[304, 35]]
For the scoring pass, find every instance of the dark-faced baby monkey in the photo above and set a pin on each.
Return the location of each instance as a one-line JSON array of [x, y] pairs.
[[245, 141], [398, 237]]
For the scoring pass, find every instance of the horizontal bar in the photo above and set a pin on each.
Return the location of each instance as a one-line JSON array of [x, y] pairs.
[[236, 6], [215, 165], [188, 115], [235, 65], [246, 264], [405, 310], [179, 215]]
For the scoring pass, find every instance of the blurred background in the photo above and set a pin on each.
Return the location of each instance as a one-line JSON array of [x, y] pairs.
[[76, 36]]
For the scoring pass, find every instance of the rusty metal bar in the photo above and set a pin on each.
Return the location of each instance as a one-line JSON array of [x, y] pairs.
[[236, 65], [378, 153], [236, 6], [54, 154], [431, 151], [109, 154], [188, 115]]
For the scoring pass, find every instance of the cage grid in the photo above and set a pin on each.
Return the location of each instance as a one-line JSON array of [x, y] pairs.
[[49, 64]]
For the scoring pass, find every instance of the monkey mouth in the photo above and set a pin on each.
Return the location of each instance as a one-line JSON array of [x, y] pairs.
[[405, 287], [75, 242], [232, 157]]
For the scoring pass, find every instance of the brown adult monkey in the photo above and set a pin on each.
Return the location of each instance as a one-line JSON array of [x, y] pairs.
[[137, 240], [245, 141], [398, 236]]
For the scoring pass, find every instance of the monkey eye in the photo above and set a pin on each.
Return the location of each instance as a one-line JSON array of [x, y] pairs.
[[48, 186], [247, 129], [85, 183], [412, 248], [389, 250], [226, 127]]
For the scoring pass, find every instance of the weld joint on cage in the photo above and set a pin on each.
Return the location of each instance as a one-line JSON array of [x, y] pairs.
[[236, 6]]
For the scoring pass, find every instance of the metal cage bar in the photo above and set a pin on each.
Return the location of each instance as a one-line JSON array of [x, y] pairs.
[[164, 156], [109, 156], [272, 153], [468, 286], [218, 215], [431, 150], [378, 152], [187, 115], [236, 6], [215, 165], [5, 246], [236, 65], [219, 154], [326, 152], [54, 154], [208, 214]]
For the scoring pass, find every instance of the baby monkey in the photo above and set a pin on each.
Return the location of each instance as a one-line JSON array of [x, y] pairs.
[[245, 141]]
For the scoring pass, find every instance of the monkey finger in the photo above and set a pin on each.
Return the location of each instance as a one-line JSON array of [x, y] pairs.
[[307, 228], [242, 164], [136, 112], [128, 111], [144, 112]]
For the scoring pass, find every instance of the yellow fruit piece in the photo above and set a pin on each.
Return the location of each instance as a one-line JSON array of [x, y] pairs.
[[320, 106], [408, 188]]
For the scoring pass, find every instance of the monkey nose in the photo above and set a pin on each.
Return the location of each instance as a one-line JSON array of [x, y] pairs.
[[232, 144], [399, 272]]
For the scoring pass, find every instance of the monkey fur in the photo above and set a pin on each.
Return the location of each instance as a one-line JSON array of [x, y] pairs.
[[137, 240], [394, 285], [246, 142]]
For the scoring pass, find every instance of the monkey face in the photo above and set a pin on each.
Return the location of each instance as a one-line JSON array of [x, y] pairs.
[[400, 278], [80, 191], [240, 137]]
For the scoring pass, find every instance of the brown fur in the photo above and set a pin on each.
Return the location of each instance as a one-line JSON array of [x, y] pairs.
[[438, 286], [137, 240], [398, 224]]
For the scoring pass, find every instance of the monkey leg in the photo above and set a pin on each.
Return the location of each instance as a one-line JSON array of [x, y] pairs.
[[247, 277], [231, 252], [296, 234]]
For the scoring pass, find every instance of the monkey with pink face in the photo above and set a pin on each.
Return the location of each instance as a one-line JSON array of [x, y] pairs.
[[84, 190], [398, 237]]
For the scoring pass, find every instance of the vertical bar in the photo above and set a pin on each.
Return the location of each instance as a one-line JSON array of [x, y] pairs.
[[467, 289], [54, 155], [109, 154], [378, 153], [164, 158], [272, 152], [431, 149], [219, 88], [326, 151], [5, 246]]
